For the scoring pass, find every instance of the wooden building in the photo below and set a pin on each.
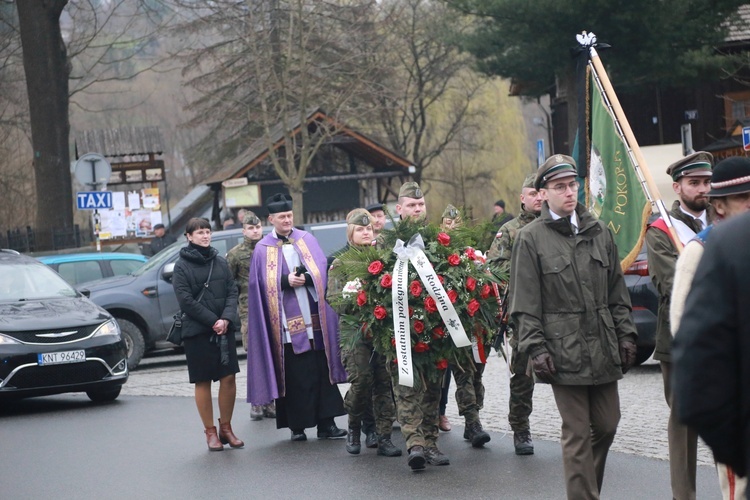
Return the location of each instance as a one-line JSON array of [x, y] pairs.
[[350, 170]]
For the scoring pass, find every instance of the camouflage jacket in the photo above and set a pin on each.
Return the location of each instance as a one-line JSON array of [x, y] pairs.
[[503, 243], [239, 259]]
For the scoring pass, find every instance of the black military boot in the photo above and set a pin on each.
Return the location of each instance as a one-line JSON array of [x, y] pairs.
[[435, 456], [523, 443], [416, 458], [386, 447], [474, 433], [353, 444]]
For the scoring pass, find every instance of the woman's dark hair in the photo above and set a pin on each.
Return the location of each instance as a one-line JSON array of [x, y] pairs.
[[197, 223]]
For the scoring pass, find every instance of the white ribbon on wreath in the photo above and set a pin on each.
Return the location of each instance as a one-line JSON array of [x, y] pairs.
[[413, 252]]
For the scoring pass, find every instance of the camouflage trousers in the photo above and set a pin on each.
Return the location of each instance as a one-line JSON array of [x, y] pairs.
[[469, 391], [242, 311], [370, 384], [418, 410], [521, 389]]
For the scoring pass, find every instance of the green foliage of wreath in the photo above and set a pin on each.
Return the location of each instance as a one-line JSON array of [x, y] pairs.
[[367, 314]]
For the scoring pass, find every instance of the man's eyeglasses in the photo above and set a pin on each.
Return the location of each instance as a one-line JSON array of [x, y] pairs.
[[563, 188]]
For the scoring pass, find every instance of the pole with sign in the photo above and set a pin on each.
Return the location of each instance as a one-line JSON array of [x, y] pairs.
[[92, 169]]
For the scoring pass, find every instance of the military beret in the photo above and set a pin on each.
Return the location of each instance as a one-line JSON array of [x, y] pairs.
[[529, 181], [730, 176], [410, 190], [694, 165], [555, 167], [159, 226], [374, 207], [359, 217], [451, 212], [250, 218], [279, 203]]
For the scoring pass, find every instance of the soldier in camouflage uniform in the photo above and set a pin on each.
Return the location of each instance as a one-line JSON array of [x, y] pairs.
[[521, 384], [469, 387], [418, 409], [365, 368], [239, 259]]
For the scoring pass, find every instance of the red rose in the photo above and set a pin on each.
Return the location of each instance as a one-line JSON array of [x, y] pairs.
[[418, 326], [415, 287], [393, 341], [386, 281], [441, 364], [411, 311], [444, 239], [471, 284], [472, 307], [438, 332], [485, 292], [379, 312], [421, 347], [442, 280], [454, 259], [429, 305], [470, 253], [452, 296], [361, 298], [375, 267]]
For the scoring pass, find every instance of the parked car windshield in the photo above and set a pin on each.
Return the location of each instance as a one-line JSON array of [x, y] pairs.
[[160, 258], [32, 281]]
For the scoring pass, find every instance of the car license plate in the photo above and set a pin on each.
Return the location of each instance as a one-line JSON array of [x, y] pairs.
[[56, 358]]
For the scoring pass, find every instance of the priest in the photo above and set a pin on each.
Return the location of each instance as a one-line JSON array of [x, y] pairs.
[[293, 344]]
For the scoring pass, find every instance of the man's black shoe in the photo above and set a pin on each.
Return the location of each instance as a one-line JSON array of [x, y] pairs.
[[353, 444], [416, 458], [474, 433], [436, 457], [523, 443], [371, 439], [299, 435], [386, 447], [330, 432]]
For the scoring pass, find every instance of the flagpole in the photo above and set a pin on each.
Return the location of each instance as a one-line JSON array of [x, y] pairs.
[[626, 134]]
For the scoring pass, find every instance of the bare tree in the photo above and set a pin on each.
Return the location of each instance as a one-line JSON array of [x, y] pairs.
[[271, 64], [424, 96]]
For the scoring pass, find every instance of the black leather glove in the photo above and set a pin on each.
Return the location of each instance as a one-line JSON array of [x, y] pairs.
[[544, 368], [627, 355]]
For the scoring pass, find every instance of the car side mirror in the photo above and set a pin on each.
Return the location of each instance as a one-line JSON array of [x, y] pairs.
[[85, 292], [168, 271]]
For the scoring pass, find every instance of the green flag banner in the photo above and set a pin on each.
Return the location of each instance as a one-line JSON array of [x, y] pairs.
[[614, 193]]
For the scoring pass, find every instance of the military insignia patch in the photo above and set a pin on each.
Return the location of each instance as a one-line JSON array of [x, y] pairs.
[[418, 193]]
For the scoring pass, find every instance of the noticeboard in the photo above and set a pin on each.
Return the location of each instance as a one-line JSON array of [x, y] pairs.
[[242, 196]]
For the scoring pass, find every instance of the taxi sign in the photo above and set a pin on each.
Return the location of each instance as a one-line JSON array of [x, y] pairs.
[[94, 200]]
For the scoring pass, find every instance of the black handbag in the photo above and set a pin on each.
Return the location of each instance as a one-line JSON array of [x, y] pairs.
[[175, 332]]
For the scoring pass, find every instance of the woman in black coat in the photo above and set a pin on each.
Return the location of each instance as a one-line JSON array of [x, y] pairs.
[[207, 325]]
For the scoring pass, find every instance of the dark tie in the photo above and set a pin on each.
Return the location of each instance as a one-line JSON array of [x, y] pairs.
[[699, 225], [573, 229]]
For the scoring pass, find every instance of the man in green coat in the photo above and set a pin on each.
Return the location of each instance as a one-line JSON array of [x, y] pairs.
[[691, 178], [521, 384], [571, 310], [239, 259]]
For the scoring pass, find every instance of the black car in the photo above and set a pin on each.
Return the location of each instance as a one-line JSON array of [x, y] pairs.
[[52, 338], [645, 303]]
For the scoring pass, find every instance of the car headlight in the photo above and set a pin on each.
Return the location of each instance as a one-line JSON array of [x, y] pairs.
[[107, 328], [6, 339]]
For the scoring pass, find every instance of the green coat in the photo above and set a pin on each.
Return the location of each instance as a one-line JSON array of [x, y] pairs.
[[662, 257], [570, 299]]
